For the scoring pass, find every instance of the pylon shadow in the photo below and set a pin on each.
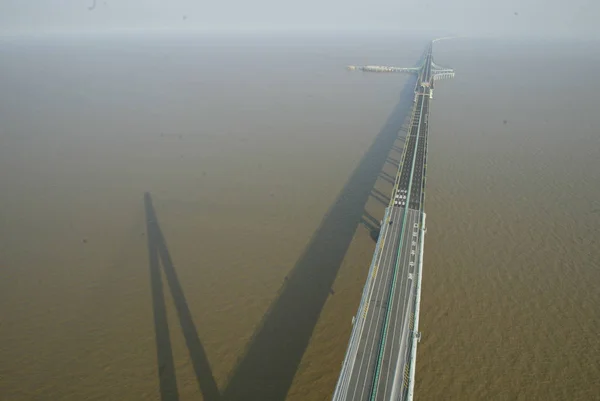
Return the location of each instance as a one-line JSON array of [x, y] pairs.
[[158, 253], [274, 353]]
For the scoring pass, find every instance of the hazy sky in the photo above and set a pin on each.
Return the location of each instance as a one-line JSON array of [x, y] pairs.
[[462, 17]]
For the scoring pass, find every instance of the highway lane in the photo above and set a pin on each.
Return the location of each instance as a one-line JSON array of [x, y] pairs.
[[393, 360], [358, 321], [404, 177], [418, 174], [371, 317]]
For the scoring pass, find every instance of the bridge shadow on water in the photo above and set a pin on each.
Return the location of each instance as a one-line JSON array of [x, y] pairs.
[[269, 364]]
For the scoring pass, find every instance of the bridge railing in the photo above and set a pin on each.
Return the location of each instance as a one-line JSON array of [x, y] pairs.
[[416, 335]]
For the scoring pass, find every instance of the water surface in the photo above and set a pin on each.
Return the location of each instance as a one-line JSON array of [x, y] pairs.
[[259, 156]]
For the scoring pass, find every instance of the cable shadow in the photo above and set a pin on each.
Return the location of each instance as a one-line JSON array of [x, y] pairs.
[[157, 249], [373, 221], [367, 224], [379, 199], [393, 162], [164, 353], [274, 353], [384, 197], [387, 177]]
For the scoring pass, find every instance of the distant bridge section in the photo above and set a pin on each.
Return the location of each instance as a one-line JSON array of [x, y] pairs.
[[383, 68]]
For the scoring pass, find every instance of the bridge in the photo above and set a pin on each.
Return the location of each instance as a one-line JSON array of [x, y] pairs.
[[380, 360]]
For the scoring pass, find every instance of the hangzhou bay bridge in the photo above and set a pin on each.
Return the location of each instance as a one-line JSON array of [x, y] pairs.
[[380, 360]]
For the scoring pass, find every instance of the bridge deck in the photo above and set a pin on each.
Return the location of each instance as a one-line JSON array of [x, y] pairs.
[[378, 360], [373, 314]]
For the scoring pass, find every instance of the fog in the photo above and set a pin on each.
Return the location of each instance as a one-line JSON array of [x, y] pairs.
[[535, 18]]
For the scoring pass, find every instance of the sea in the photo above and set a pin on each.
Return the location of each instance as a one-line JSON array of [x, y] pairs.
[[191, 216]]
